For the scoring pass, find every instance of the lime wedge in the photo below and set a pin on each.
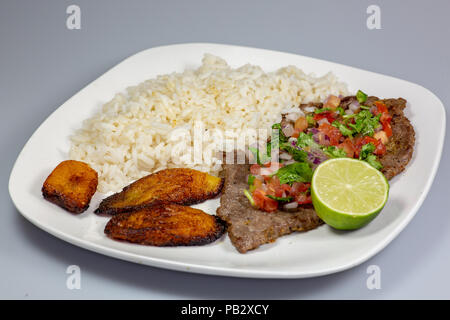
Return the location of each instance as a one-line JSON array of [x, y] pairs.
[[348, 193]]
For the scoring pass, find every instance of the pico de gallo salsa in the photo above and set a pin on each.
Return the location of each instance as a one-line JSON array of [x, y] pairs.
[[359, 131]]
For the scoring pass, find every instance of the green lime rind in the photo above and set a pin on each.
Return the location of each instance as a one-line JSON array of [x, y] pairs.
[[342, 219]]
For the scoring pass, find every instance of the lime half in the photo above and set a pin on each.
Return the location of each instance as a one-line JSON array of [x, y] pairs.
[[348, 193]]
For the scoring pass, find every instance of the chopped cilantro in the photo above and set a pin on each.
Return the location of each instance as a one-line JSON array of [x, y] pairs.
[[365, 123], [366, 149], [321, 110], [297, 154], [334, 152], [310, 119], [366, 154], [372, 160], [343, 128], [251, 179], [287, 199], [281, 135], [296, 172], [306, 140]]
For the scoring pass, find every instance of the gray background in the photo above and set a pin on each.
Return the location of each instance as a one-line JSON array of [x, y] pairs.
[[42, 64]]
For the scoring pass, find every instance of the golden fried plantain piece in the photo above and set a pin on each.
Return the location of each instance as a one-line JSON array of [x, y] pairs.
[[71, 185], [166, 225], [181, 186]]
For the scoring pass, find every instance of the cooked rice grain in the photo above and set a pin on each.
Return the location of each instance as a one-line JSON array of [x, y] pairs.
[[151, 126]]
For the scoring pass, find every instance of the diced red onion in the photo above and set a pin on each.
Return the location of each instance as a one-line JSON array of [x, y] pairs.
[[354, 106], [374, 110], [316, 157], [266, 171], [316, 137], [288, 130], [291, 205], [289, 162], [257, 176], [285, 156], [310, 109], [293, 116], [332, 102], [292, 140], [324, 120]]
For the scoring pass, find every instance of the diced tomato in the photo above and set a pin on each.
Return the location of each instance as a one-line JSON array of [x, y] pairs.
[[368, 139], [274, 187], [258, 196], [275, 181], [382, 136], [348, 147], [257, 183], [385, 118], [286, 188], [303, 198], [332, 102], [325, 115], [298, 187], [388, 129], [332, 132], [301, 124], [263, 202], [381, 107], [269, 168], [270, 205], [255, 169], [380, 149]]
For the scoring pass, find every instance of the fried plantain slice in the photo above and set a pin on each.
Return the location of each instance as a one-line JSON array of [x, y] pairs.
[[166, 225], [180, 185], [71, 185]]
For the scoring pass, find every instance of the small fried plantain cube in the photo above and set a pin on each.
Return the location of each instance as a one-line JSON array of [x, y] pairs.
[[166, 225], [71, 185], [180, 185]]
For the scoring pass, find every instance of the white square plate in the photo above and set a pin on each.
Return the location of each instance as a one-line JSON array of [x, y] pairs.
[[318, 252]]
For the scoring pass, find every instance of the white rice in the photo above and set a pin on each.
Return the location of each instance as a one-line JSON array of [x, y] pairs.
[[151, 127]]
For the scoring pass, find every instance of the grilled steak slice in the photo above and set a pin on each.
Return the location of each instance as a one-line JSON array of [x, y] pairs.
[[249, 228], [399, 149]]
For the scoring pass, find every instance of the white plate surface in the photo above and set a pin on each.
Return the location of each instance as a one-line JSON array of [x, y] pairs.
[[318, 252]]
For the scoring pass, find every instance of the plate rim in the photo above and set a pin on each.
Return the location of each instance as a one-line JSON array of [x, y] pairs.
[[227, 271]]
